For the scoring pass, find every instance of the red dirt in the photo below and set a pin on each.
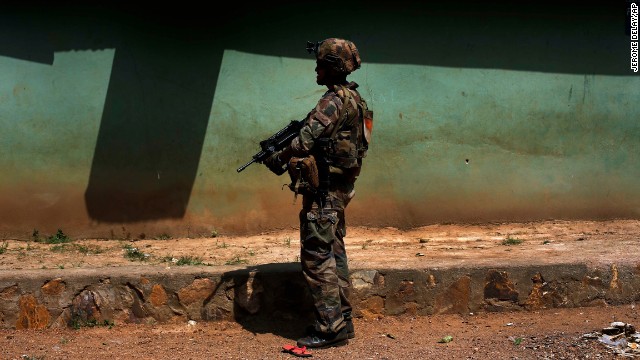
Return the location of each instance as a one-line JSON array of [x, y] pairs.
[[548, 334], [553, 333]]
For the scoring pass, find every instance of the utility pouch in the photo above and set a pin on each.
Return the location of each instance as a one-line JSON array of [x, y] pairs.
[[304, 175]]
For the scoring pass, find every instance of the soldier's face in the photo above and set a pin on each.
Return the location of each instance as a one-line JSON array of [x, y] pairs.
[[321, 73]]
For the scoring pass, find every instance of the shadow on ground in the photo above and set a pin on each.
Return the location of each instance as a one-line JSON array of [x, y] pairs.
[[269, 299]]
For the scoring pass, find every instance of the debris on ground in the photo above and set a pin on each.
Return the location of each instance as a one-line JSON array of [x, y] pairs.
[[297, 351], [620, 337]]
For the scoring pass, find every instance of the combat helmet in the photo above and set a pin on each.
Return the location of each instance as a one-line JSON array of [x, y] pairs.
[[341, 54]]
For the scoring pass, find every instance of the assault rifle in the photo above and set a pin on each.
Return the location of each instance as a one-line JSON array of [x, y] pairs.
[[276, 142]]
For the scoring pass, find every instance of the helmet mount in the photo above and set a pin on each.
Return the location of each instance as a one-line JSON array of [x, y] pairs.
[[342, 55]]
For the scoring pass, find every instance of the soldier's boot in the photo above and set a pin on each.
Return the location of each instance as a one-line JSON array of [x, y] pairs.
[[319, 340], [351, 333]]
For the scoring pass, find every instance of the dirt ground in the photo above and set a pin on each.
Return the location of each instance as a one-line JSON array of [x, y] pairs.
[[429, 246], [547, 334]]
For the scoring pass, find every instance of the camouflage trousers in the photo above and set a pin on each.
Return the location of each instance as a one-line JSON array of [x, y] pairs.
[[323, 256]]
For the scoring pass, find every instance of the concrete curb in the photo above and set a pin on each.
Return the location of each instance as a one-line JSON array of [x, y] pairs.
[[39, 299]]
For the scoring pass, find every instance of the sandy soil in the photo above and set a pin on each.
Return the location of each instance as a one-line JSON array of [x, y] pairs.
[[429, 246], [548, 334]]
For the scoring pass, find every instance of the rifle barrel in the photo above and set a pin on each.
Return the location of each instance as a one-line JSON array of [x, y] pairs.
[[245, 165]]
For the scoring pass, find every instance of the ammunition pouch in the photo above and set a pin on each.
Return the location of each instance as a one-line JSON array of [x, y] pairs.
[[304, 175]]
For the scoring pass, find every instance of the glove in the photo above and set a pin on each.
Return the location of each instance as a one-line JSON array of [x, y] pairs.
[[274, 163]]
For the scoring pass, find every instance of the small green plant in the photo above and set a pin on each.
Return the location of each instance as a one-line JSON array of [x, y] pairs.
[[236, 261], [214, 233], [134, 254], [185, 260], [60, 248], [517, 341], [446, 339], [223, 245], [89, 249], [189, 260], [511, 241], [58, 238], [287, 242], [252, 253], [60, 266], [81, 248], [3, 247]]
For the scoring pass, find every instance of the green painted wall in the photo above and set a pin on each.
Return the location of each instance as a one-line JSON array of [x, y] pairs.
[[116, 123]]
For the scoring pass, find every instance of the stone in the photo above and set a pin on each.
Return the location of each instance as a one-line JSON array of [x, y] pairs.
[[53, 287], [9, 293], [32, 315], [197, 292], [406, 289], [84, 309], [455, 299], [498, 286], [363, 279], [431, 281], [372, 307], [615, 284], [536, 298], [158, 296], [248, 294]]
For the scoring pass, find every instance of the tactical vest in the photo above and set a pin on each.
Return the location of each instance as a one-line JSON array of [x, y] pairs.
[[352, 132]]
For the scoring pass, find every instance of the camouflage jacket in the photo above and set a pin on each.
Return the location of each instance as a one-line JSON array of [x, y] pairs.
[[320, 123]]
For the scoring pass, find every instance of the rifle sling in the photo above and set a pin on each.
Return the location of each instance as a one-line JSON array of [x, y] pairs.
[[341, 119]]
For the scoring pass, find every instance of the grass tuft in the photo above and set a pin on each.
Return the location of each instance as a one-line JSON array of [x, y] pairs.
[[134, 254], [59, 238], [512, 241], [236, 261]]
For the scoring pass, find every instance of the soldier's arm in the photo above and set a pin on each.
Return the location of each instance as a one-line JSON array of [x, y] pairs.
[[319, 122]]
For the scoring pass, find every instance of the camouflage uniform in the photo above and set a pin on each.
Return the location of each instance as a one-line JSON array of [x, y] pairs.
[[336, 133], [322, 231]]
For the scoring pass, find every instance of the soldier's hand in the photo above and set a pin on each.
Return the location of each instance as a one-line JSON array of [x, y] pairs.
[[274, 164]]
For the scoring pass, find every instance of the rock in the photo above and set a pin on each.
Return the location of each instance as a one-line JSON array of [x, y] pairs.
[[363, 279]]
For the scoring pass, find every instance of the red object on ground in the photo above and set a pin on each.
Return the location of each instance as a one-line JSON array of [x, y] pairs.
[[297, 351]]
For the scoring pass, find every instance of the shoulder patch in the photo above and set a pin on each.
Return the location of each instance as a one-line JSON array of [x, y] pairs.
[[327, 107], [326, 111]]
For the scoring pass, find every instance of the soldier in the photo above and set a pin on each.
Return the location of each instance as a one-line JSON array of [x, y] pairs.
[[335, 134]]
